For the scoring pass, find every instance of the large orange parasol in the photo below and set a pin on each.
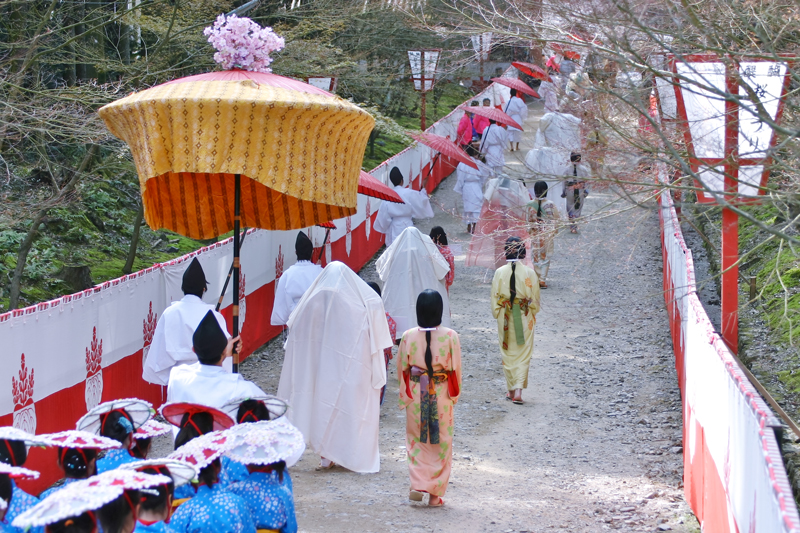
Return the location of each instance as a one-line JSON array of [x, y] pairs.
[[219, 149]]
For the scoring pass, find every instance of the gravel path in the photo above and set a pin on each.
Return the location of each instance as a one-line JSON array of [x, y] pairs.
[[597, 444]]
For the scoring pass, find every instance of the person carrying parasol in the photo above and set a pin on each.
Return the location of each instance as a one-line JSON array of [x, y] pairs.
[[172, 340], [393, 218], [517, 110]]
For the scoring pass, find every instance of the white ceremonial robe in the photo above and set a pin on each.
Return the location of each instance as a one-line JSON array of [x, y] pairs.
[[517, 110], [409, 266], [292, 285], [172, 340], [393, 218], [559, 130], [469, 185], [549, 93], [334, 368], [550, 165], [208, 385], [493, 145]]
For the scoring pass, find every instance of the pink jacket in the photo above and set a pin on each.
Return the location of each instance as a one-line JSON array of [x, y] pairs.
[[480, 123], [464, 133]]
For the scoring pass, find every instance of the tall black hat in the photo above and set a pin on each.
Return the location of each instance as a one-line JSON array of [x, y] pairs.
[[303, 247], [209, 340], [396, 177], [194, 279]]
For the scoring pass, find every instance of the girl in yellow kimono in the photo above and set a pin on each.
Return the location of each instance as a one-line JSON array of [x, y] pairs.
[[515, 302], [429, 368]]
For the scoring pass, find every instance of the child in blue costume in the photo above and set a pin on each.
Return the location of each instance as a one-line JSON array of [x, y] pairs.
[[265, 447], [14, 452], [117, 420], [194, 421], [212, 509], [156, 505], [7, 486], [76, 455]]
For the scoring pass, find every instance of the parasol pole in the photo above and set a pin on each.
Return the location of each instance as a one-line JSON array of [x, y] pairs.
[[324, 241], [230, 272], [236, 244]]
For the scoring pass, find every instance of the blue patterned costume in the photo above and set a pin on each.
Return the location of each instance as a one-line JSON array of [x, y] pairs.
[[213, 510], [270, 502], [51, 490], [184, 491], [114, 459], [20, 502], [232, 472]]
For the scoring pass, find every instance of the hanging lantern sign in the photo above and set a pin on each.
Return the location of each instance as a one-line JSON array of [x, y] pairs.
[[482, 44], [726, 138], [423, 68]]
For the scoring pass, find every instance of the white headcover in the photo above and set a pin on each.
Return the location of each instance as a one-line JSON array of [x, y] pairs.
[[409, 266], [180, 471], [266, 442], [86, 495], [559, 130], [12, 433], [334, 368]]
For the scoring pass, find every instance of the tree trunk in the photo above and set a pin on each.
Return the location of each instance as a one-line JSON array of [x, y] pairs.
[[25, 247], [137, 226], [22, 257]]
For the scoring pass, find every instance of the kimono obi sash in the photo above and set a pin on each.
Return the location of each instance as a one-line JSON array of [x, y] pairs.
[[516, 310], [428, 402]]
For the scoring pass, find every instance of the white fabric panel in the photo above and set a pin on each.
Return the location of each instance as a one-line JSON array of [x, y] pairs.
[[705, 110], [666, 95], [765, 78]]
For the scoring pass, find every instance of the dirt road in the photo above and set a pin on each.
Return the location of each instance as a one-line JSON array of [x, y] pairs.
[[597, 444]]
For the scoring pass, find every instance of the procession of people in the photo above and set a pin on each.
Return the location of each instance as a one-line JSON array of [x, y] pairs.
[[234, 444]]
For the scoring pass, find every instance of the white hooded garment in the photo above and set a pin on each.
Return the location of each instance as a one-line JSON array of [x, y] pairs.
[[559, 130], [334, 368], [393, 218], [551, 165], [409, 266], [470, 187]]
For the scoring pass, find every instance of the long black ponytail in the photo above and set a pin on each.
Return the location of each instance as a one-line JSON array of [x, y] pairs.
[[515, 249], [429, 315]]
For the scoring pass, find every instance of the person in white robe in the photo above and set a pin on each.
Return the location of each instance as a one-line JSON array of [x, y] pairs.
[[493, 145], [393, 218], [206, 382], [549, 93], [517, 110], [294, 283], [409, 266], [503, 215], [172, 339], [334, 369], [550, 165], [469, 185]]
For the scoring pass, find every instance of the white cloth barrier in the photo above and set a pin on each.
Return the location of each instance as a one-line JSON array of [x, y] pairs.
[[734, 477]]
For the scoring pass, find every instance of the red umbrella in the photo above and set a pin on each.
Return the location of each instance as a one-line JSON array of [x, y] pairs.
[[572, 56], [532, 70], [326, 225], [492, 113], [370, 186], [444, 146], [519, 85]]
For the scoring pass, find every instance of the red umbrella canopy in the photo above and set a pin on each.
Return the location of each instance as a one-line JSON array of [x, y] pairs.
[[532, 70], [572, 56], [492, 113], [327, 225], [519, 85], [444, 146], [370, 186]]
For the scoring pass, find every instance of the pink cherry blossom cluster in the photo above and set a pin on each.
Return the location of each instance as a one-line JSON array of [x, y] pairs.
[[242, 43]]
